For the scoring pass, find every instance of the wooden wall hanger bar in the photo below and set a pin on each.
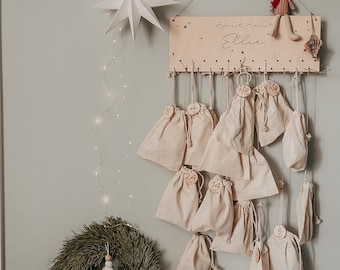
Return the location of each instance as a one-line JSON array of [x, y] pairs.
[[226, 43]]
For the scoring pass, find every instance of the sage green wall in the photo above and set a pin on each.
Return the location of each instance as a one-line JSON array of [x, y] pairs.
[[53, 52]]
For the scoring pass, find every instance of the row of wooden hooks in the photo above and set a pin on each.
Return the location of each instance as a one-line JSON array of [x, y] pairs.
[[240, 70]]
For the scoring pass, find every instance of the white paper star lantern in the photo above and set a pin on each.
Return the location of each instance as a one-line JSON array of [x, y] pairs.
[[133, 10]]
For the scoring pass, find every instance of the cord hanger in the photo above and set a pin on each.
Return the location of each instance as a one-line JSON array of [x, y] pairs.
[[187, 4]]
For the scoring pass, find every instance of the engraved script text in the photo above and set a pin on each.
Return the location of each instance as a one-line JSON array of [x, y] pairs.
[[236, 39]]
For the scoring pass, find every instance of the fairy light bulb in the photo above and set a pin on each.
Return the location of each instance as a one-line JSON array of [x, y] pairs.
[[106, 199], [98, 120]]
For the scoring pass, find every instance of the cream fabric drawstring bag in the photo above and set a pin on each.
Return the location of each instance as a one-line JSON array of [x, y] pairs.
[[260, 255], [181, 198], [261, 184], [197, 255], [283, 246], [165, 144], [237, 131], [243, 231], [201, 122], [216, 212], [306, 215], [284, 250], [295, 138], [222, 160], [272, 112]]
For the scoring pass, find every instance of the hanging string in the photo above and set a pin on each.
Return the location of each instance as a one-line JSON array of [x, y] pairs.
[[173, 89], [226, 80], [107, 248], [308, 135], [281, 187], [187, 90], [306, 7], [193, 87], [314, 113], [212, 90], [187, 4], [222, 100], [211, 85], [295, 84], [259, 225]]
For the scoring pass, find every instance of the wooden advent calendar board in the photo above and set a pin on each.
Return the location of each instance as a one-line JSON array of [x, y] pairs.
[[224, 43]]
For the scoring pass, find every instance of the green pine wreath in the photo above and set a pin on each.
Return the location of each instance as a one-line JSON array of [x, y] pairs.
[[86, 250]]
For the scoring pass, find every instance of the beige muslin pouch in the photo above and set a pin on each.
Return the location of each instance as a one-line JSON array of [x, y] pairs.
[[216, 212], [272, 112], [295, 139], [243, 231], [166, 142], [305, 212], [181, 198], [237, 127], [261, 184], [222, 160], [201, 122], [284, 250], [197, 255]]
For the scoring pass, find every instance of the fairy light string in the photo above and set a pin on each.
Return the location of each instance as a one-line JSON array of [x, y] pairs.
[[112, 112]]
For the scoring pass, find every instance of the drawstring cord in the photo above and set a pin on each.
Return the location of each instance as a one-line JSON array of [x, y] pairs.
[[213, 266], [295, 83], [212, 92], [173, 89], [189, 129], [200, 187], [264, 106]]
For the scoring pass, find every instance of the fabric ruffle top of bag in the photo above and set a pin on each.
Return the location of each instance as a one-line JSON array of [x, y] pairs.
[[222, 160], [243, 231], [237, 126], [251, 174], [272, 112], [166, 142], [261, 184]]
